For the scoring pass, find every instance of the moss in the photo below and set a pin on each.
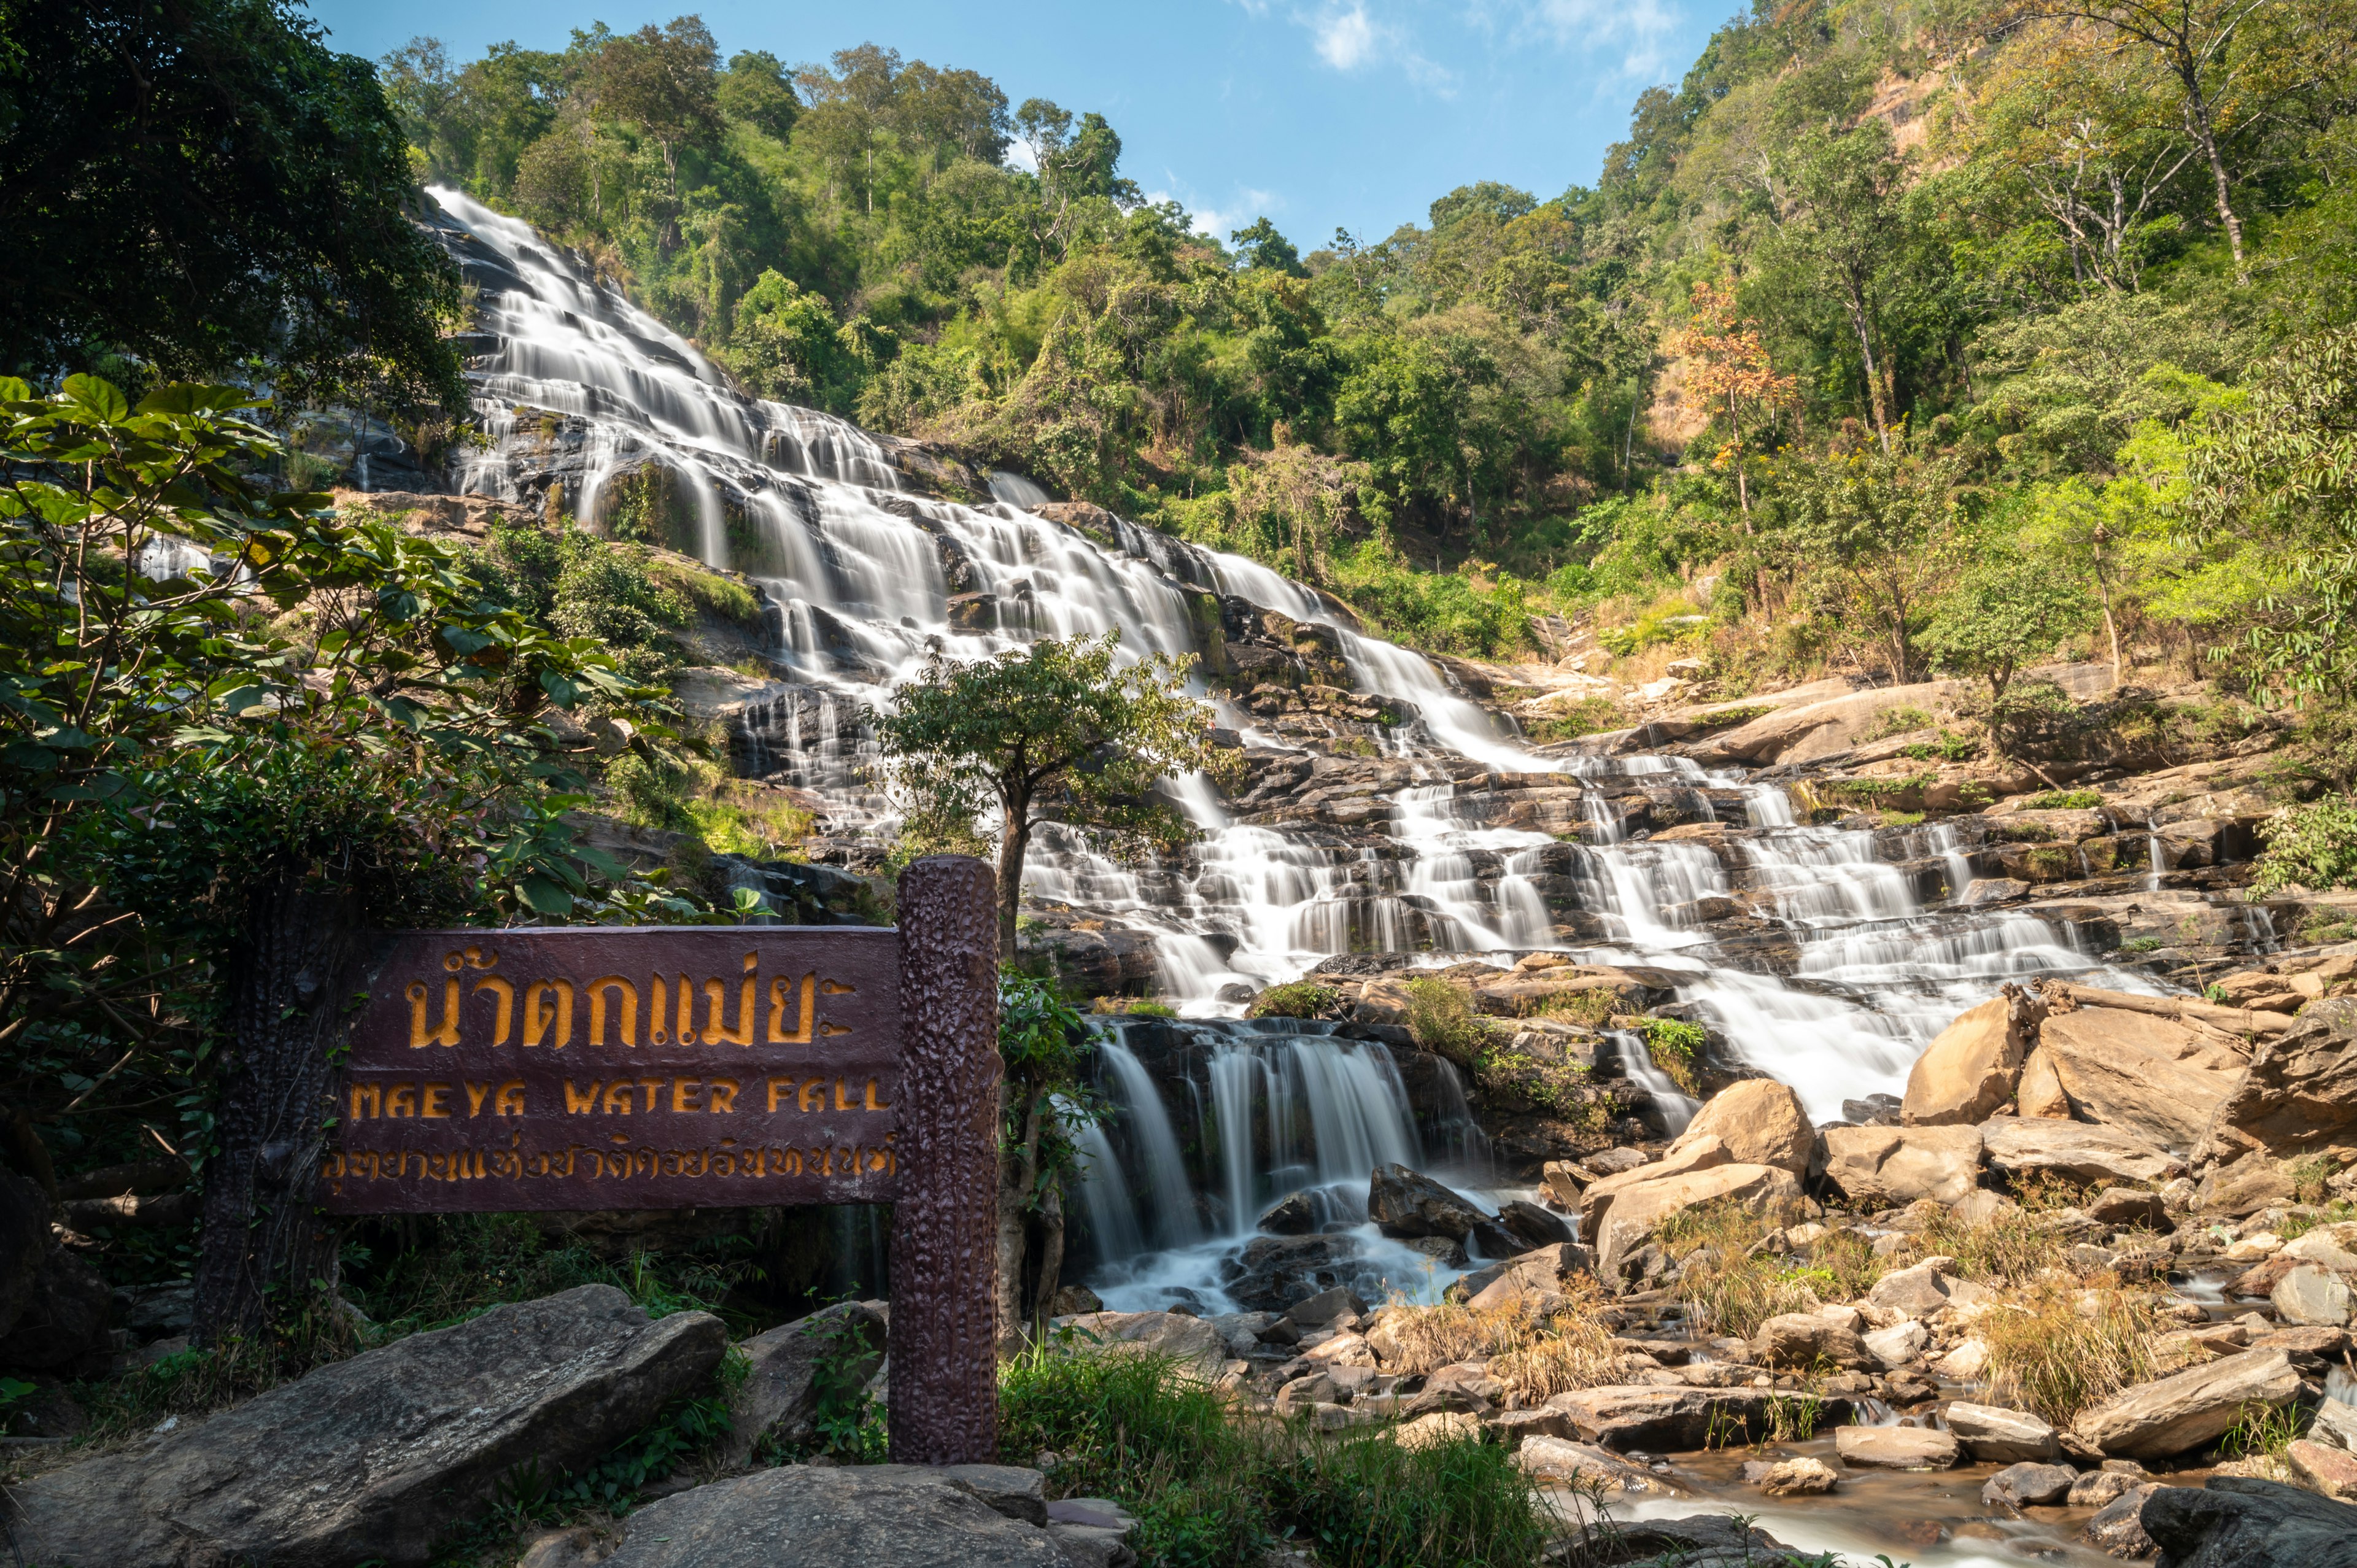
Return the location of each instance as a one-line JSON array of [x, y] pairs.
[[2064, 800]]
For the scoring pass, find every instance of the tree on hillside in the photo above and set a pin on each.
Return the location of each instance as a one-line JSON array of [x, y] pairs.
[[1260, 246], [207, 188], [2006, 611], [661, 80], [1877, 533], [234, 737], [1842, 193], [1731, 373], [1056, 723]]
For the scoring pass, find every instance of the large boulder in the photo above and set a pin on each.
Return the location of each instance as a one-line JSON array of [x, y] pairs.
[[1891, 1167], [1659, 1418], [1969, 1071], [376, 1458], [1409, 1203], [1193, 1343], [1996, 1435], [2310, 1294], [2040, 1091], [778, 1398], [2139, 1072], [1761, 1123], [1637, 1212], [1895, 1447], [2240, 1522], [1535, 1280], [1810, 1339], [2176, 1414], [796, 1515], [1690, 1154], [2298, 1093], [2087, 1154]]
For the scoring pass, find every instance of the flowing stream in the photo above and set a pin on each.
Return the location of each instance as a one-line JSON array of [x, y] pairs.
[[580, 389]]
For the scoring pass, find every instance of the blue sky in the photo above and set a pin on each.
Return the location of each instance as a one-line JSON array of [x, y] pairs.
[[1328, 112]]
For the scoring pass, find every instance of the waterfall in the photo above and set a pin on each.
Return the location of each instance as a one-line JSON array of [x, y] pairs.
[[1845, 965]]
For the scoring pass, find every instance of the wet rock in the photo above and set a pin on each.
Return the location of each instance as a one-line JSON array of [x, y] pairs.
[[2240, 1522], [1193, 1343], [1996, 1435], [2086, 1153], [1658, 1419], [1761, 1123], [2299, 1090], [1403, 1202], [374, 1457], [1531, 1225], [2097, 1488], [799, 1516], [1799, 1477], [1565, 1462], [1294, 1215], [2309, 1294], [1890, 1167], [1874, 1111], [2117, 1528], [2124, 1206], [1445, 1251], [2178, 1414], [2029, 1485], [1071, 1301], [1812, 1338], [779, 1397], [1895, 1447], [1969, 1070], [1272, 1272]]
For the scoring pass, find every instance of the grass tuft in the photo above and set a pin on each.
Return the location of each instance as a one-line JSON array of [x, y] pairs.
[[2056, 1349]]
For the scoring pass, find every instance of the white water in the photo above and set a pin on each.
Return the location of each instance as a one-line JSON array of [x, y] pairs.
[[860, 574]]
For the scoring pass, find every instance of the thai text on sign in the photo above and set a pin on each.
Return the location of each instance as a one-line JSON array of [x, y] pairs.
[[704, 1067]]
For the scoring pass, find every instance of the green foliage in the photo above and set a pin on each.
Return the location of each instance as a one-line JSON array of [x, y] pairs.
[[1440, 1016], [2312, 846], [1672, 1043], [2064, 800], [284, 246], [1210, 1490], [1295, 999], [1057, 720]]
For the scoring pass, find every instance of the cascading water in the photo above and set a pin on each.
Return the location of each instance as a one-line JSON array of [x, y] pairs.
[[863, 580]]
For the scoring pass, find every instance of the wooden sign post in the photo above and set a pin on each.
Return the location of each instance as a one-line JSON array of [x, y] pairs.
[[714, 1067]]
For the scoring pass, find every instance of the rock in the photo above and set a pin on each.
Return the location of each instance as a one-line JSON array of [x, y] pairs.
[[2331, 1471], [2122, 1206], [374, 1457], [1317, 1388], [1531, 1226], [1614, 1162], [1071, 1301], [1440, 1426], [1567, 1464], [799, 1516], [2086, 1153], [2117, 1528], [1191, 1343], [1403, 1202], [1761, 1123], [2240, 1522], [2040, 1091], [2299, 1090], [1890, 1167], [1996, 1435], [1515, 1427], [1799, 1477], [1011, 1491], [1325, 1309], [779, 1397], [1898, 1345], [1563, 1183], [2097, 1488], [2256, 1181], [2136, 1073], [1294, 1215], [1895, 1447], [1965, 1074], [2335, 1423], [64, 1326], [1963, 1364], [2178, 1414], [1918, 1291], [1809, 1338], [1658, 1419], [1638, 1211], [2029, 1485], [2329, 1245], [2310, 1294], [1691, 1155], [579, 1546]]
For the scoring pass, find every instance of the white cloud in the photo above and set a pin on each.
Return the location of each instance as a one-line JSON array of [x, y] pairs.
[[1224, 219], [1018, 155], [1638, 29], [1348, 39]]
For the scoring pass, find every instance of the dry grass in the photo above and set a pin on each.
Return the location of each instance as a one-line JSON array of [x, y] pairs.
[[2017, 1246], [1533, 1354], [1734, 1285], [2056, 1349]]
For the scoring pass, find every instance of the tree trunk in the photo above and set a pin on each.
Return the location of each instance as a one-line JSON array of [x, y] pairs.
[[2198, 120], [1012, 842], [1051, 1251], [289, 981], [1018, 1172], [1856, 302]]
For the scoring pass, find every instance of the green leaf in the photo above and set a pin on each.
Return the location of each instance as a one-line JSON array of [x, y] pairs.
[[546, 894], [32, 758], [101, 397]]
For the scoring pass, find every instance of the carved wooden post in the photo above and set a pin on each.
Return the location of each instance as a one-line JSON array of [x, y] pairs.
[[944, 1339]]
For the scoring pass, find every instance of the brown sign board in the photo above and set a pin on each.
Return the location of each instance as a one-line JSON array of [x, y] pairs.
[[622, 1068]]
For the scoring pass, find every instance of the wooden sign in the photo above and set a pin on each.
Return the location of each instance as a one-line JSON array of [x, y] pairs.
[[594, 1067], [714, 1067]]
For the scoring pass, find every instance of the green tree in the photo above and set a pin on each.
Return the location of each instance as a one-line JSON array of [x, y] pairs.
[[235, 733], [755, 91], [1261, 246], [785, 344], [1059, 723], [1875, 533], [660, 80], [2006, 611], [206, 187], [1843, 213], [1043, 1044]]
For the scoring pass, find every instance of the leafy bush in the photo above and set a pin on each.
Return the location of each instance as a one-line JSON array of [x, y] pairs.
[[1440, 1016], [1295, 999], [1672, 1043], [2064, 800], [2313, 845]]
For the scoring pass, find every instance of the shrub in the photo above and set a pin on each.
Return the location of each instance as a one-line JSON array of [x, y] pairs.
[[1899, 719], [1672, 1043], [1440, 1016], [1295, 999], [2313, 845], [2064, 800]]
